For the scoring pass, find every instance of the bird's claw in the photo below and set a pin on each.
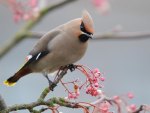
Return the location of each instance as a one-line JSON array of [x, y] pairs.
[[72, 67], [52, 85]]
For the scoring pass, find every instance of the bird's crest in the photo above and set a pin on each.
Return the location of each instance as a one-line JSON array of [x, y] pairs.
[[88, 21]]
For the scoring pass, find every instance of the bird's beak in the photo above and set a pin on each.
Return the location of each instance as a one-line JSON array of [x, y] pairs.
[[89, 36]]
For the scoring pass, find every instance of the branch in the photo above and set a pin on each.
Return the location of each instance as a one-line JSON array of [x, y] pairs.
[[2, 103], [40, 101], [139, 110], [104, 36], [22, 34], [122, 35], [48, 103], [143, 108]]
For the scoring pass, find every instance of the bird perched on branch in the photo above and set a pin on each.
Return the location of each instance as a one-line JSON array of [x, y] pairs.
[[62, 46]]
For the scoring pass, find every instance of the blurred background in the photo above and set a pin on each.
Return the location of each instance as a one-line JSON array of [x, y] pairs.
[[125, 63]]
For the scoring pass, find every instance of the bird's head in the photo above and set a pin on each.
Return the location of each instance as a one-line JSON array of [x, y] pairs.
[[86, 27], [82, 28]]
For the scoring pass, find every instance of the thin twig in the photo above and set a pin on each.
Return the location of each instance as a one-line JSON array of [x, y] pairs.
[[122, 35], [139, 109]]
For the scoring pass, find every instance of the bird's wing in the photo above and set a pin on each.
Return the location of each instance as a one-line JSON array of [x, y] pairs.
[[40, 49], [36, 57], [42, 43]]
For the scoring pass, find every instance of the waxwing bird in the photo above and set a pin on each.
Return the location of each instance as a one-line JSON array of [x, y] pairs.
[[61, 46]]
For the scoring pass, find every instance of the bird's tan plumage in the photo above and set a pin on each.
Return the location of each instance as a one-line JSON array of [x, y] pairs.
[[88, 22], [59, 47]]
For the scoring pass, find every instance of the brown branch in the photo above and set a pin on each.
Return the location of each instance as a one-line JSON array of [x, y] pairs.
[[105, 36], [122, 35], [40, 101], [139, 109], [2, 104], [22, 34], [145, 108], [48, 103]]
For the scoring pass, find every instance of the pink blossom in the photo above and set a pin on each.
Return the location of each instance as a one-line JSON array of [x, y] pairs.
[[73, 95], [102, 107], [23, 10], [146, 108], [132, 108], [96, 72], [100, 92], [26, 17], [102, 5], [32, 3], [17, 17], [102, 79], [117, 99], [105, 106], [93, 91], [130, 95], [96, 85], [93, 80]]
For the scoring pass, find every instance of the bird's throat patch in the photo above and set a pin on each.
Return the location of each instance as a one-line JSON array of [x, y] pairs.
[[83, 38]]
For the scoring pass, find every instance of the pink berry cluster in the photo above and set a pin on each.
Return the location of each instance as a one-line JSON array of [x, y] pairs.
[[94, 78], [73, 95], [103, 104], [102, 6], [91, 85]]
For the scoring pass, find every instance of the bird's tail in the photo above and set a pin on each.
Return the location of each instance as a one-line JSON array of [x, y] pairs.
[[13, 79]]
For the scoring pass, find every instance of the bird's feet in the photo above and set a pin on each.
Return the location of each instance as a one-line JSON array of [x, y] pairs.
[[72, 67], [51, 84]]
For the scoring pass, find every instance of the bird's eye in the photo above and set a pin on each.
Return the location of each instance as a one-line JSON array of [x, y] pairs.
[[82, 28]]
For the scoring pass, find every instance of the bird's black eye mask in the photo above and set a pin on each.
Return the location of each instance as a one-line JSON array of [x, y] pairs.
[[82, 28]]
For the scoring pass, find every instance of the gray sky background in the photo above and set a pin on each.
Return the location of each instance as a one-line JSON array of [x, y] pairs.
[[126, 63]]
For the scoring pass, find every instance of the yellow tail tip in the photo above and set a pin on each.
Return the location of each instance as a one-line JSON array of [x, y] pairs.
[[7, 83]]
